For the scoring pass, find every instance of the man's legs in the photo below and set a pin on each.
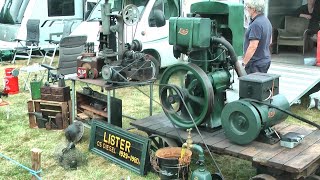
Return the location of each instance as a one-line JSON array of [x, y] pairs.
[[257, 67]]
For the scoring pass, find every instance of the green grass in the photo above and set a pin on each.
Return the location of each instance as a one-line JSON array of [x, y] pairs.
[[17, 139]]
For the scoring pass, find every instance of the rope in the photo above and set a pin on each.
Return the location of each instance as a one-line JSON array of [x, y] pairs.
[[33, 172]]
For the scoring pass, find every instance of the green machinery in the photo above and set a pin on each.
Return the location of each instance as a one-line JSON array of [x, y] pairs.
[[194, 93]]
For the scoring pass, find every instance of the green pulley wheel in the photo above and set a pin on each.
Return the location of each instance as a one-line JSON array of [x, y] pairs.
[[172, 101], [186, 84], [241, 122]]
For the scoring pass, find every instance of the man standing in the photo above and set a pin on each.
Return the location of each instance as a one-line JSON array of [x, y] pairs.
[[257, 57]]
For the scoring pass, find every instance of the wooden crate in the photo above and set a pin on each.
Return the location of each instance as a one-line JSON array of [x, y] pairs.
[[50, 109]]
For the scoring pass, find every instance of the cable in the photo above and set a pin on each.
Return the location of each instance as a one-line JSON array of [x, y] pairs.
[[287, 112]]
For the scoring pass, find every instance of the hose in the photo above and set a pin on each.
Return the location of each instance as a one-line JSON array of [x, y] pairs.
[[287, 112], [234, 59]]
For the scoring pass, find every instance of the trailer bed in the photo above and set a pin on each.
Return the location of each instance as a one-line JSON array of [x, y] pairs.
[[294, 163]]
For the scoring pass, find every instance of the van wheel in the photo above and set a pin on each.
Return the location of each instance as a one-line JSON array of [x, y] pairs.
[[155, 65]]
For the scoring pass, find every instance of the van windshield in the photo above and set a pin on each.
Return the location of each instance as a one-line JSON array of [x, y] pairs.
[[116, 6], [12, 12]]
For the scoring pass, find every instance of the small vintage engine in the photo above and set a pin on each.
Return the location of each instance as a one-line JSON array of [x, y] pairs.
[[205, 36], [121, 62], [194, 93]]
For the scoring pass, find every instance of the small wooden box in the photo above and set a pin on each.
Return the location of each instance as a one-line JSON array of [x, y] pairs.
[[59, 94]]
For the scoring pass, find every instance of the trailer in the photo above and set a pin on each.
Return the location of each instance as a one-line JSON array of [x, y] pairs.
[[302, 161], [275, 160]]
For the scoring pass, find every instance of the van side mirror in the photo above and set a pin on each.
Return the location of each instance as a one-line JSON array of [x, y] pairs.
[[157, 19]]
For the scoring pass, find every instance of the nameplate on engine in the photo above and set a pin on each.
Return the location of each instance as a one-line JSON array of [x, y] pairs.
[[122, 147]]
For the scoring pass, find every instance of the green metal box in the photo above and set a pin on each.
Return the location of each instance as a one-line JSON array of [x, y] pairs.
[[190, 32], [259, 86]]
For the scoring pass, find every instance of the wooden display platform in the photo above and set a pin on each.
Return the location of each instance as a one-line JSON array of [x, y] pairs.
[[278, 161], [50, 108]]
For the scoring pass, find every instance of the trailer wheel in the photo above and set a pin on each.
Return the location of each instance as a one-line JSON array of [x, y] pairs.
[[158, 142]]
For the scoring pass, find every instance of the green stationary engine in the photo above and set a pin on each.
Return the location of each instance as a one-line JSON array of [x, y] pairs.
[[211, 36], [194, 93]]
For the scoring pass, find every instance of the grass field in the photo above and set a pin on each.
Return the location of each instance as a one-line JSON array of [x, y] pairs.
[[17, 139]]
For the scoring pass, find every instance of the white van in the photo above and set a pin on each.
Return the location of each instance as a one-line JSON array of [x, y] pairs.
[[52, 14], [154, 39]]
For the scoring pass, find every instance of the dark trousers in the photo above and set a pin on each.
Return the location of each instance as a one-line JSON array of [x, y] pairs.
[[257, 67]]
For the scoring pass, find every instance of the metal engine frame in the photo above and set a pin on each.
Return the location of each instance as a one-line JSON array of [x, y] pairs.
[[122, 62]]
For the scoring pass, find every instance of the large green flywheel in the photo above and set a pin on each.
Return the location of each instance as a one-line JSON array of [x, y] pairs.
[[186, 84]]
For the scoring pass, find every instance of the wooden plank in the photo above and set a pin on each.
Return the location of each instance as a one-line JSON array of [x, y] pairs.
[[164, 131], [158, 125], [279, 160], [205, 134], [148, 121], [264, 156], [223, 144], [304, 159], [98, 112], [70, 111], [280, 126], [83, 116], [64, 113], [49, 110], [298, 129], [52, 103], [235, 150], [212, 140], [32, 119], [174, 134], [37, 106], [254, 148]]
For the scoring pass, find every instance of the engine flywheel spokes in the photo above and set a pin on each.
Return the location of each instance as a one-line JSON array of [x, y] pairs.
[[185, 90]]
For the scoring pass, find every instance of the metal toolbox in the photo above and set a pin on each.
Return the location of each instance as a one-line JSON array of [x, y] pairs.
[[259, 86]]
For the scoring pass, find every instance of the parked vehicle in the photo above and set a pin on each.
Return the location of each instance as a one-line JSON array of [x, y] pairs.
[[52, 14]]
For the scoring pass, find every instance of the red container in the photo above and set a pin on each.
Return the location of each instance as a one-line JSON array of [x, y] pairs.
[[11, 83], [82, 72]]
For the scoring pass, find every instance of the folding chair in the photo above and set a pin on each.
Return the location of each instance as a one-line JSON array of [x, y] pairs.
[[53, 47], [25, 48], [70, 48]]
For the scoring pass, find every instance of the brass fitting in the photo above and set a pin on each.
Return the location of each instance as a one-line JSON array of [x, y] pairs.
[[188, 143]]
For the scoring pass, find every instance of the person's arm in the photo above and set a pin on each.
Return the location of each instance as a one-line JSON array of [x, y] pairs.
[[307, 16], [253, 44], [303, 12]]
